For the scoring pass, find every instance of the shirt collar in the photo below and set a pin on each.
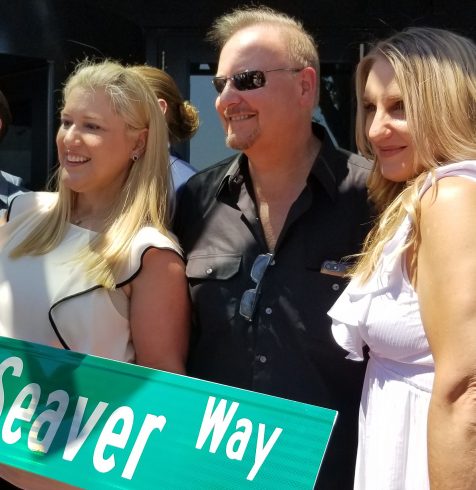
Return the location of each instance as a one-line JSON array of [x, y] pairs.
[[321, 170], [232, 181]]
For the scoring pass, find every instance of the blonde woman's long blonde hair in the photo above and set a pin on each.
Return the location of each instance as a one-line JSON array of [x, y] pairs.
[[436, 72], [143, 200]]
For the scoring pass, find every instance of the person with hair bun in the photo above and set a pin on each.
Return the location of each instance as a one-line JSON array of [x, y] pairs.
[[411, 299], [94, 261], [181, 116]]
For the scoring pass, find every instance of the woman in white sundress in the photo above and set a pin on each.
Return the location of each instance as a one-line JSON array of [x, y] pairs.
[[412, 297]]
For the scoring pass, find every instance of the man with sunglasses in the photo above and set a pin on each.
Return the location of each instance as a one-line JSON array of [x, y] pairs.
[[265, 232]]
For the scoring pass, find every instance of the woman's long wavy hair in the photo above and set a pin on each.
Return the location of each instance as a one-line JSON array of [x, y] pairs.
[[143, 199], [436, 73]]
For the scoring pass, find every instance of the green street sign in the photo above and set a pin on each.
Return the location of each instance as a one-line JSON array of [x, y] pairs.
[[96, 423]]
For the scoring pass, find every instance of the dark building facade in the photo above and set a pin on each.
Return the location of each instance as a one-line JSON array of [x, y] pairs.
[[40, 40]]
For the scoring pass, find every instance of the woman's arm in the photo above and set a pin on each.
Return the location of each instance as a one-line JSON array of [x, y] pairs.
[[446, 286], [160, 311]]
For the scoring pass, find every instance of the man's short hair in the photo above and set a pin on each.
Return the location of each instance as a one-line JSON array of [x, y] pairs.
[[302, 47], [5, 115]]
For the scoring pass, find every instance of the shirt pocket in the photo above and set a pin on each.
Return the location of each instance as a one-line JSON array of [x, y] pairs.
[[208, 267], [216, 290]]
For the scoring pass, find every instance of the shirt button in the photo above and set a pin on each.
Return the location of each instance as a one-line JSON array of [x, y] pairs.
[[262, 359], [335, 287], [268, 310], [209, 271]]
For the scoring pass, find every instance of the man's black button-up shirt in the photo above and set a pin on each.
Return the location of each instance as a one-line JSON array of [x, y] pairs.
[[287, 349]]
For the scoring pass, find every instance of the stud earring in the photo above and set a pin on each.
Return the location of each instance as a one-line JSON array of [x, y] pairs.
[[135, 157]]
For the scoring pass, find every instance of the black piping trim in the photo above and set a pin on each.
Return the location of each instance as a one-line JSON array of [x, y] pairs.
[[136, 273], [53, 324], [119, 285], [9, 209]]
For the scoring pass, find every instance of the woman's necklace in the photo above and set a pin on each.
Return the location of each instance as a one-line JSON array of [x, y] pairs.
[[88, 221]]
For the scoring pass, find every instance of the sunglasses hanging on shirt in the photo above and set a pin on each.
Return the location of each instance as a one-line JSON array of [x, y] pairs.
[[249, 299]]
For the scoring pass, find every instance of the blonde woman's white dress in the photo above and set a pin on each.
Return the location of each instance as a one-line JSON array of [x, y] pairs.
[[384, 314], [49, 299]]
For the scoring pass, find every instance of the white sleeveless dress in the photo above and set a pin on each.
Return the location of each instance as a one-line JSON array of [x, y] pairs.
[[49, 299], [385, 315]]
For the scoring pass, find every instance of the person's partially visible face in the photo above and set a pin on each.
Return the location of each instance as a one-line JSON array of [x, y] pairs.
[[386, 125], [95, 146], [259, 116]]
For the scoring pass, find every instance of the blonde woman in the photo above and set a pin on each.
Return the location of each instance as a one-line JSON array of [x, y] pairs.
[[94, 262], [412, 296]]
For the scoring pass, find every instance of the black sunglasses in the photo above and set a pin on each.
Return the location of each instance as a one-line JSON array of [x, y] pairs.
[[247, 80], [250, 296]]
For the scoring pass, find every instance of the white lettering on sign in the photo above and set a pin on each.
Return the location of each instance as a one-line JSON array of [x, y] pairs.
[[123, 416], [49, 418], [76, 438], [12, 362], [17, 412], [242, 438], [46, 425], [151, 422], [262, 449], [107, 430], [217, 420]]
